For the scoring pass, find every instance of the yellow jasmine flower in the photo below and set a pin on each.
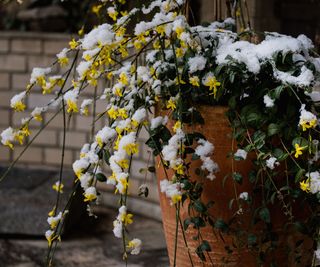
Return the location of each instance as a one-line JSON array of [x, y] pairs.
[[179, 169], [123, 163], [19, 137], [73, 44], [176, 198], [171, 104], [195, 81], [123, 78], [299, 150], [99, 141], [118, 92], [9, 144], [121, 31], [96, 9], [305, 185], [122, 112], [113, 113], [213, 84], [72, 106], [81, 31], [161, 29], [308, 124], [58, 187], [52, 212], [179, 31], [180, 52], [113, 13], [157, 45], [25, 130], [19, 106], [131, 149], [177, 126], [126, 218], [90, 194], [63, 61]]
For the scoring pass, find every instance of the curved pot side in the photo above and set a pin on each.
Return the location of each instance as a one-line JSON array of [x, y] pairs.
[[218, 131]]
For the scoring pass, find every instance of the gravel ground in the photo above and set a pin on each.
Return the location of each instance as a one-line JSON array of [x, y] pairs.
[[90, 244]]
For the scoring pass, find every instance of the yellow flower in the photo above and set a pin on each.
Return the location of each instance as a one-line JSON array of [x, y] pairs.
[[25, 130], [126, 218], [96, 9], [9, 144], [171, 104], [113, 14], [179, 52], [156, 45], [161, 29], [52, 212], [38, 117], [177, 126], [116, 143], [89, 197], [123, 78], [81, 31], [85, 111], [124, 52], [63, 61], [179, 31], [73, 44], [118, 92], [213, 84], [123, 163], [113, 113], [299, 150], [179, 169], [120, 32], [19, 137], [99, 141], [134, 123], [131, 149], [72, 106], [122, 112], [308, 124], [195, 81], [305, 185], [19, 106], [176, 198], [58, 187]]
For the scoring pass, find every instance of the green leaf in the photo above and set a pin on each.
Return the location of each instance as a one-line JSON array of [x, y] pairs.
[[277, 92], [280, 154], [252, 239], [264, 214], [186, 224], [195, 156], [273, 129], [301, 227], [106, 156], [299, 174], [101, 177], [152, 169], [300, 141], [198, 222], [221, 225], [203, 247], [199, 206], [237, 177]]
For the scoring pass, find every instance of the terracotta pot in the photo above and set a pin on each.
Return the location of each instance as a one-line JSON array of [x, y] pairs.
[[218, 131]]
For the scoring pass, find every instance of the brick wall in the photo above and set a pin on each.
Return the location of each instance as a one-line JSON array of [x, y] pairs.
[[19, 54]]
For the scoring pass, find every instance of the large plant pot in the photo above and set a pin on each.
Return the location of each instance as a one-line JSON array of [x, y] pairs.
[[218, 131]]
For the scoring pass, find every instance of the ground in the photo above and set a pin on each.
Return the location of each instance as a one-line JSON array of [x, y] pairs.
[[89, 244]]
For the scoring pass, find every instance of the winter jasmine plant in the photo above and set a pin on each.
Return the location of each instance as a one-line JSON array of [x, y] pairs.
[[268, 88]]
